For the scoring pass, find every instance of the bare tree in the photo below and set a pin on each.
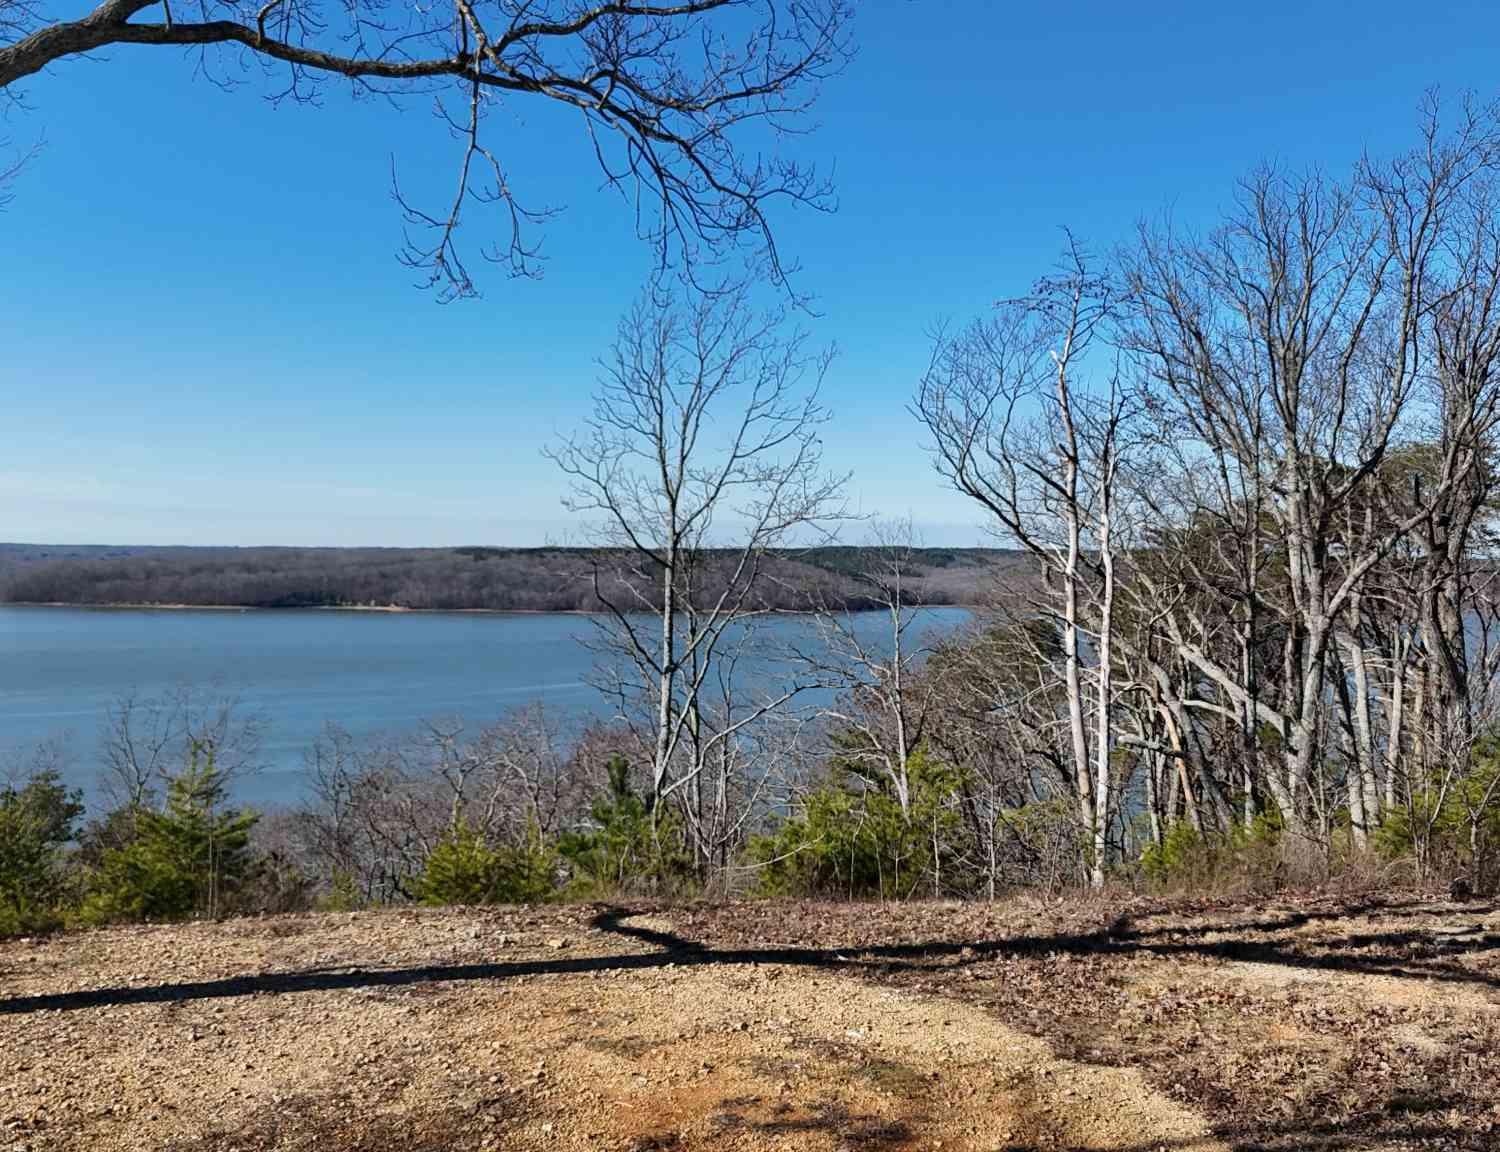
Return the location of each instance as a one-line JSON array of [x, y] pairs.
[[667, 95], [1004, 719], [1285, 359], [145, 740], [51, 757], [702, 456], [380, 806], [1049, 483], [883, 707], [534, 784]]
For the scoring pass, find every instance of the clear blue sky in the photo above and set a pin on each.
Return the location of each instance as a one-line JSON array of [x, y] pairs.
[[207, 340]]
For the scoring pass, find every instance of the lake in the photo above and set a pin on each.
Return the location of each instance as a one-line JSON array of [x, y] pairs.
[[371, 672]]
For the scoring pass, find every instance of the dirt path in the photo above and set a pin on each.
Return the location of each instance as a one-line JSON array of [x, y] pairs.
[[750, 1027], [776, 1058]]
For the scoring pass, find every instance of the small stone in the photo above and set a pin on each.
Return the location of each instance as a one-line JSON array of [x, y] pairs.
[[557, 942]]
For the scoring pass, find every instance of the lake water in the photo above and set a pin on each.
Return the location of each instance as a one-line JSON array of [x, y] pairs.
[[371, 672]]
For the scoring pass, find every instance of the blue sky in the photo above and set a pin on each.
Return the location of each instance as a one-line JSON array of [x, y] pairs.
[[208, 340]]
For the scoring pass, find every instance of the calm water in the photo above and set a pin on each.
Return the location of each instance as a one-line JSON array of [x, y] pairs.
[[60, 668]]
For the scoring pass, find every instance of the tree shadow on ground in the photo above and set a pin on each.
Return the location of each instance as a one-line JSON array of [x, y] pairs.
[[1400, 954], [1403, 952]]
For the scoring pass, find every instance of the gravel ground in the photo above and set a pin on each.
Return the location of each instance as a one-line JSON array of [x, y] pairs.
[[1317, 1024]]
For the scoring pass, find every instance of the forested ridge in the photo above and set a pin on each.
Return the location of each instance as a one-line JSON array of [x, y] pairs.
[[498, 579]]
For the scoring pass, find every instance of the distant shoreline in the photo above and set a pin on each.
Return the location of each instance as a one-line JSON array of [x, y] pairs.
[[479, 580], [397, 609]]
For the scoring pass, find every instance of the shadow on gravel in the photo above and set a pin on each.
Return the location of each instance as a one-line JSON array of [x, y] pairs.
[[1403, 954]]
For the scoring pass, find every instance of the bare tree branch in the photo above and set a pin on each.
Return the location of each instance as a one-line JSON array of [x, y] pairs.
[[670, 96]]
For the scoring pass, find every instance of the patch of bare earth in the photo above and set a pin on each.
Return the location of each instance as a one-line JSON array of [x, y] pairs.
[[761, 1026], [1319, 1024]]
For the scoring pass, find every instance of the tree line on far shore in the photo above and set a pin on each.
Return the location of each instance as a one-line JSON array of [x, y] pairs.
[[496, 579]]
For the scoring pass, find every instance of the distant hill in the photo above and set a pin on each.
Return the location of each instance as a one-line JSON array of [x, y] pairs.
[[501, 579]]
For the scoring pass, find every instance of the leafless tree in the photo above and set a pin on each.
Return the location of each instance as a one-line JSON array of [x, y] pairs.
[[1049, 481], [534, 781], [673, 99], [53, 757], [735, 784], [145, 740], [882, 706], [1004, 719], [1285, 357], [701, 457], [380, 805]]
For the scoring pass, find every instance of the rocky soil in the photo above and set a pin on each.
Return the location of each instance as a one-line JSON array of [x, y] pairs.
[[1316, 1024]]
